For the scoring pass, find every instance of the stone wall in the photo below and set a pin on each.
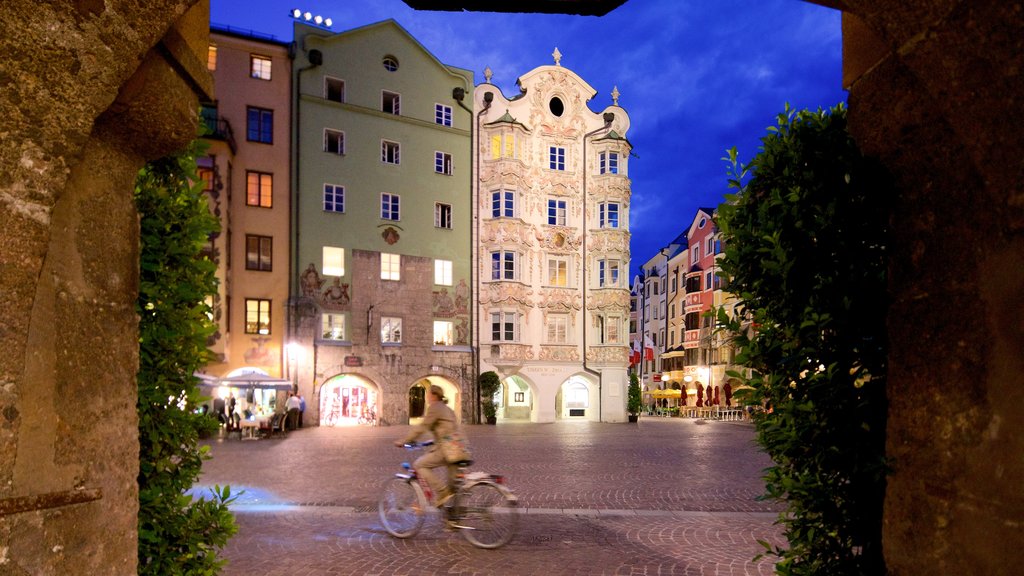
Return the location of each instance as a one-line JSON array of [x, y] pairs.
[[92, 90], [935, 90]]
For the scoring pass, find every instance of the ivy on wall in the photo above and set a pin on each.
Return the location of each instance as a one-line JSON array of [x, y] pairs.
[[805, 252], [178, 534]]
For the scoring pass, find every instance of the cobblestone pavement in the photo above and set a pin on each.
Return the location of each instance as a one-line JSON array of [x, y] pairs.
[[666, 496]]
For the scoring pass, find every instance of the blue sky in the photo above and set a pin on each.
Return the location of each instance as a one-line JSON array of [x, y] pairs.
[[696, 77]]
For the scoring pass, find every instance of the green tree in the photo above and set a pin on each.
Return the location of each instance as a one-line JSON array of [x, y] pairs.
[[489, 384], [634, 403], [805, 251], [178, 534]]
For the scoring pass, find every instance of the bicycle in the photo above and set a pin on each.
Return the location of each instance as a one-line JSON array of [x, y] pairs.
[[482, 507]]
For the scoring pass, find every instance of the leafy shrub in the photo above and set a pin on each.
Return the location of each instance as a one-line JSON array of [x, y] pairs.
[[489, 383], [177, 534], [634, 403], [805, 252]]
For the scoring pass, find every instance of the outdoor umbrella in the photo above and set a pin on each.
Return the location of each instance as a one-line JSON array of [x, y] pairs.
[[728, 394], [700, 395], [716, 396]]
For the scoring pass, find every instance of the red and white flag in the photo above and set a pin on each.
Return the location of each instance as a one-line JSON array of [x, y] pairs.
[[648, 348], [634, 356]]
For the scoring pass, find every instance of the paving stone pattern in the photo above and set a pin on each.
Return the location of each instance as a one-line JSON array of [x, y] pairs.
[[667, 496]]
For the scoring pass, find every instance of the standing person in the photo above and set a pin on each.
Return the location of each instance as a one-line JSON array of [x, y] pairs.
[[218, 409], [449, 444], [292, 407], [230, 411], [302, 410]]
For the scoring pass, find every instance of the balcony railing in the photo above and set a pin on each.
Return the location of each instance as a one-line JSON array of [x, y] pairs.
[[220, 129]]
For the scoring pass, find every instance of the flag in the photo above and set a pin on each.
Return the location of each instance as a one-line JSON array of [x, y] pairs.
[[648, 348], [634, 356]]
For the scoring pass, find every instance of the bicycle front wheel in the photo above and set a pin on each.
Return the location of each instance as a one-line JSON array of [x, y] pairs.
[[402, 507], [487, 514]]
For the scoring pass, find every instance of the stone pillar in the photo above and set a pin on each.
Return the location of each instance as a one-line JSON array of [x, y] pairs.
[[80, 115]]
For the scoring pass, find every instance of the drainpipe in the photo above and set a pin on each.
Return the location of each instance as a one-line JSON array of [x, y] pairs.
[[459, 94], [316, 58], [608, 118]]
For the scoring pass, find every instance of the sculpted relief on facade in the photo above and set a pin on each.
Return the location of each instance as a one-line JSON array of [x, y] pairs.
[[610, 300]]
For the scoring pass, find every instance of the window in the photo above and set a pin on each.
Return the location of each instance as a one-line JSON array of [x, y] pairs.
[[443, 272], [389, 207], [558, 272], [332, 326], [334, 141], [692, 284], [556, 212], [334, 89], [390, 63], [609, 214], [257, 316], [390, 330], [258, 252], [504, 326], [444, 333], [503, 204], [696, 253], [443, 114], [556, 158], [607, 273], [389, 152], [259, 67], [442, 215], [259, 125], [710, 249], [334, 261], [503, 145], [211, 57], [556, 328], [609, 163], [443, 163], [708, 278], [672, 310], [259, 189], [503, 265], [390, 266], [613, 330], [391, 103], [334, 198], [692, 320]]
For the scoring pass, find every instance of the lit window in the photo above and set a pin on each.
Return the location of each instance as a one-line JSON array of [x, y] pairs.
[[443, 272], [211, 57], [613, 330], [334, 141], [259, 125], [334, 261], [332, 326], [334, 89], [444, 333], [390, 207], [503, 326], [609, 214], [259, 189], [557, 328], [391, 103], [259, 67], [390, 266], [443, 163], [257, 316], [443, 114], [558, 272], [503, 145], [334, 198], [442, 215], [390, 329], [503, 204], [556, 158], [556, 212], [390, 152], [258, 252], [503, 265]]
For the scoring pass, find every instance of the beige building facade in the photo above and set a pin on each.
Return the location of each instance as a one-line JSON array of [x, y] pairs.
[[552, 240]]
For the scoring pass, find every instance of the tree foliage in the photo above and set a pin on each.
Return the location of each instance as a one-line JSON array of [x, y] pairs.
[[634, 403], [489, 383], [805, 251], [177, 533]]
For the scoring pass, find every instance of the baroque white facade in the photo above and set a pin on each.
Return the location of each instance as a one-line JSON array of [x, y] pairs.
[[552, 235]]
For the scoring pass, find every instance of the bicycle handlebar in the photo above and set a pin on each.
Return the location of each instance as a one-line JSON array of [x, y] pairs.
[[415, 445]]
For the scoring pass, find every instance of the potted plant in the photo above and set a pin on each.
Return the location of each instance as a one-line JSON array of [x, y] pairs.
[[633, 402], [489, 384]]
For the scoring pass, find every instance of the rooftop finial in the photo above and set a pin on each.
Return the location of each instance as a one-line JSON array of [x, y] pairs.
[[615, 95], [558, 56], [488, 74]]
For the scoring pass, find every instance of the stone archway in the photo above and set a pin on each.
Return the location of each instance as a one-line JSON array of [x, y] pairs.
[[349, 400], [515, 399], [577, 398], [452, 394]]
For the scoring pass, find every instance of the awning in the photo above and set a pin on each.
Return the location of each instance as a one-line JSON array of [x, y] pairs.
[[248, 381], [665, 393]]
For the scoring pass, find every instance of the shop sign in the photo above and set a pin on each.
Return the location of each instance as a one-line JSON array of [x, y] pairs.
[[353, 361], [656, 376]]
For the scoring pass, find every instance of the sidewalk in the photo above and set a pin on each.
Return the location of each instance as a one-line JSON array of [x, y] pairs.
[[667, 496]]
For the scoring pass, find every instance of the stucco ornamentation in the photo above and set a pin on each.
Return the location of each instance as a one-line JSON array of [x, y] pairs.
[[507, 293], [609, 300], [608, 354], [560, 353], [336, 296], [560, 299]]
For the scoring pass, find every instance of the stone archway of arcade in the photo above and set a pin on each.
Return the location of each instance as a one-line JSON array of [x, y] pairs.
[[417, 397], [515, 399], [349, 400], [578, 398]]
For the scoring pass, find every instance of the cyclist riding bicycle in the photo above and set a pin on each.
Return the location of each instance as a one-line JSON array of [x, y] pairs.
[[449, 445]]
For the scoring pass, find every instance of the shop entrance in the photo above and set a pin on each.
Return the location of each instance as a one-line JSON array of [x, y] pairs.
[[348, 400]]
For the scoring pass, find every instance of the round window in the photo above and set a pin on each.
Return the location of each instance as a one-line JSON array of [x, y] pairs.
[[390, 63], [702, 222], [556, 106]]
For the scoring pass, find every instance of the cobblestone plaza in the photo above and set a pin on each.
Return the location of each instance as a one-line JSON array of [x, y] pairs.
[[666, 496]]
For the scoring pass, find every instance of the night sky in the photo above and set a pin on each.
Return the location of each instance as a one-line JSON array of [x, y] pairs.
[[696, 77]]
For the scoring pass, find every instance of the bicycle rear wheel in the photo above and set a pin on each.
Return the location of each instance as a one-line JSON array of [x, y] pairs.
[[487, 514], [402, 507]]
